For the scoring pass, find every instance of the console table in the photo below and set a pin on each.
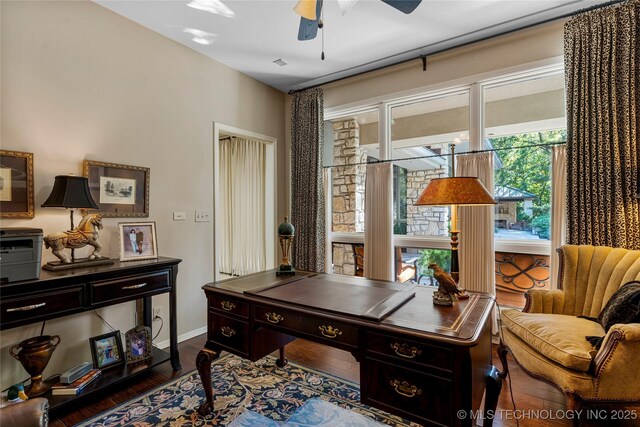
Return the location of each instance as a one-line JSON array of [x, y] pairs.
[[420, 361], [62, 293]]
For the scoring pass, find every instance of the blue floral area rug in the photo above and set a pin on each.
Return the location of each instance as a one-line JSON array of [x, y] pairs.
[[240, 386]]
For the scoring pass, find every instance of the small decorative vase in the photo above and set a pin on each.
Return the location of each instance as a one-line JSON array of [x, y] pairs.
[[34, 354]]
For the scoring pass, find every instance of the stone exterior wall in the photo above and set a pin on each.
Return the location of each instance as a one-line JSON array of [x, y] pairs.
[[349, 174], [425, 220], [343, 262], [348, 180]]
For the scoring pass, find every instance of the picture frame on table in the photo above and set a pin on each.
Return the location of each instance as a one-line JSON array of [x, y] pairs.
[[138, 344], [120, 191], [106, 350], [138, 240], [16, 185]]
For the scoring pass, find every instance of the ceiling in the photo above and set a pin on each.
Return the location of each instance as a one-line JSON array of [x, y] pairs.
[[250, 34]]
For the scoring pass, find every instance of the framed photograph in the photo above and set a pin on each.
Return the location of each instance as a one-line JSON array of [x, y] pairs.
[[138, 344], [16, 184], [119, 190], [138, 241], [106, 350]]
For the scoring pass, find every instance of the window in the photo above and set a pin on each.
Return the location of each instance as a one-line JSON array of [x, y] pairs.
[[350, 141], [520, 118], [516, 115], [421, 133]]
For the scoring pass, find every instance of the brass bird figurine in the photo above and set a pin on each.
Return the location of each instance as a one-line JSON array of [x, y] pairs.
[[446, 285]]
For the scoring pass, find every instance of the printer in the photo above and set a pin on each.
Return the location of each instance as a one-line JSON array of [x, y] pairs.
[[20, 254]]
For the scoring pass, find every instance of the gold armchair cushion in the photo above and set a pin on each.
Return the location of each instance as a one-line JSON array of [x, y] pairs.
[[559, 337]]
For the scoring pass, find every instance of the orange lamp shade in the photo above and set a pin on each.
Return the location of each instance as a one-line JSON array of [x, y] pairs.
[[461, 190]]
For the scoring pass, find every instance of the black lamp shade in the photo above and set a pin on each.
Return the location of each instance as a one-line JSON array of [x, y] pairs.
[[70, 192]]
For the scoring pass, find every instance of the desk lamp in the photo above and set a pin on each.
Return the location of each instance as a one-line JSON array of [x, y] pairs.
[[72, 192], [455, 191]]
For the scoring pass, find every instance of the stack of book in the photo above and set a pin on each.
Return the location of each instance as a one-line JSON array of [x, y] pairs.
[[76, 387]]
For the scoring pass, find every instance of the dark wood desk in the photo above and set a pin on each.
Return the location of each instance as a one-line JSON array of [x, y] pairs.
[[62, 293], [417, 360]]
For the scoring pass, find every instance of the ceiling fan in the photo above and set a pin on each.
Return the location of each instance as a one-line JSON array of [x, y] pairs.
[[311, 12]]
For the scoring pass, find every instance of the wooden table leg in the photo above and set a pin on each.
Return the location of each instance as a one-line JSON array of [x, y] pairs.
[[494, 386], [203, 364], [282, 361]]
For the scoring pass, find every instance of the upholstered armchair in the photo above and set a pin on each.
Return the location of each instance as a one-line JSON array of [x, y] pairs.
[[547, 338], [30, 413]]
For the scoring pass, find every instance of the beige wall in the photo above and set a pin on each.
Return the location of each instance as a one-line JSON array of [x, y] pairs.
[[533, 44], [79, 81]]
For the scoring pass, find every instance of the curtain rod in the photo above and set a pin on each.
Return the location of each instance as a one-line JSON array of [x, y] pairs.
[[490, 150], [424, 56]]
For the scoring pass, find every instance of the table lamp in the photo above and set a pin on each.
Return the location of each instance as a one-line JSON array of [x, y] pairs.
[[455, 191], [286, 233], [72, 192]]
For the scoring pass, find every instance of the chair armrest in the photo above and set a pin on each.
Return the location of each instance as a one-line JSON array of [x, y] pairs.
[[544, 301], [30, 413], [618, 345]]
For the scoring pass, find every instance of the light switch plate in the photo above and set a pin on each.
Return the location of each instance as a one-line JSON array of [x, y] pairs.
[[203, 216], [179, 216]]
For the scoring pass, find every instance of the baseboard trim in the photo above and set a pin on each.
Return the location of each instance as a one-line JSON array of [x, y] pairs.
[[182, 337]]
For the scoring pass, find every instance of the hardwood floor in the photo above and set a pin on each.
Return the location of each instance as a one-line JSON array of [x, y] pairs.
[[529, 394]]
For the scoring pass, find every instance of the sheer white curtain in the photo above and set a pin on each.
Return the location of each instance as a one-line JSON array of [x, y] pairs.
[[558, 208], [241, 228], [477, 250], [378, 222]]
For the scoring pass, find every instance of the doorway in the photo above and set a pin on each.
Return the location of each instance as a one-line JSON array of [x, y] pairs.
[[245, 198]]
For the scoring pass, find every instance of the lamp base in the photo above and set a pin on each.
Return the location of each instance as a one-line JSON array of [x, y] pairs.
[[285, 269], [78, 263]]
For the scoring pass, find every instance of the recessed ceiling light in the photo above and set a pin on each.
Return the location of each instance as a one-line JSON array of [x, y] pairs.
[[212, 6], [280, 62], [200, 36]]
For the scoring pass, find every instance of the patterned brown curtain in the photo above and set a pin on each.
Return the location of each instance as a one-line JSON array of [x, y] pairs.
[[307, 193], [602, 70]]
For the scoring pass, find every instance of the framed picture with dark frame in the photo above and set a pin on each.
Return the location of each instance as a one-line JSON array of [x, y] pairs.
[[106, 350], [138, 344], [120, 191], [16, 184], [138, 240]]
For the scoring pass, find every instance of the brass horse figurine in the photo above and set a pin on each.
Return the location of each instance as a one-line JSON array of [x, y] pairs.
[[84, 234]]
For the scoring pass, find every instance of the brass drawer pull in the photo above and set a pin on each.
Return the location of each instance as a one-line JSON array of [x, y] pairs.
[[141, 285], [274, 317], [227, 305], [27, 307], [227, 331], [405, 389], [329, 331], [404, 350]]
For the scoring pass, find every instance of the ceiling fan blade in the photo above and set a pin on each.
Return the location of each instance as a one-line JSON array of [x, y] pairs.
[[306, 9], [404, 6], [308, 29]]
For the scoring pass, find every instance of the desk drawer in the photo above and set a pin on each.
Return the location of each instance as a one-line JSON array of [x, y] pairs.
[[413, 394], [46, 304], [331, 331], [129, 288], [283, 318], [230, 333], [225, 304], [406, 350]]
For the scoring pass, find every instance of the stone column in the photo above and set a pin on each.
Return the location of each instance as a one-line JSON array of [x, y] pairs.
[[349, 175], [425, 220]]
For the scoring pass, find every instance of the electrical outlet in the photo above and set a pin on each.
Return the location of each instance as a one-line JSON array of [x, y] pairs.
[[157, 311], [179, 216]]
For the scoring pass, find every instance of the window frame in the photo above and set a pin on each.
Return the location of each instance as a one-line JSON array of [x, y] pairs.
[[475, 86]]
